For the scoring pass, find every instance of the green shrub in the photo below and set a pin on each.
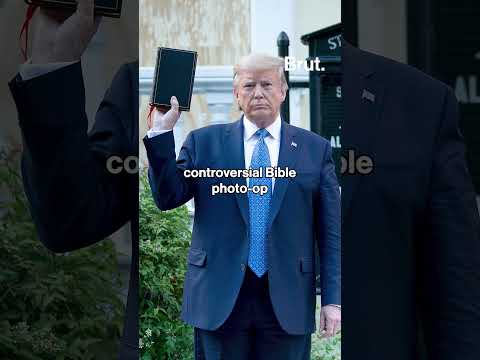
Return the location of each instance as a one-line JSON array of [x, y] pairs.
[[164, 242], [52, 306], [326, 349]]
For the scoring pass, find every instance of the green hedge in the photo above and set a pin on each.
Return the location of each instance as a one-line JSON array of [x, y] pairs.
[[164, 242], [326, 349], [53, 306]]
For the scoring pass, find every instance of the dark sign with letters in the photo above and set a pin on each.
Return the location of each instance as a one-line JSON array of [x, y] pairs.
[[326, 108], [332, 115], [325, 43]]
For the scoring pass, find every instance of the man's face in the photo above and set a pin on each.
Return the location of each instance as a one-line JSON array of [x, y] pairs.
[[260, 94]]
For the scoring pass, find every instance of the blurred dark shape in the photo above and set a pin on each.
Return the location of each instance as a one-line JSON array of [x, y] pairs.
[[410, 229]]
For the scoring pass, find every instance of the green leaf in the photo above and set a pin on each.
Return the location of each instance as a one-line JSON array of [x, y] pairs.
[[164, 242]]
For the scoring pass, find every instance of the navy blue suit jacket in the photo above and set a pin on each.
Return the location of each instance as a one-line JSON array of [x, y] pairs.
[[303, 210], [410, 229]]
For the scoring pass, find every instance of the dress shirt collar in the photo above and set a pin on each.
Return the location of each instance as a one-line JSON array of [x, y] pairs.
[[249, 128]]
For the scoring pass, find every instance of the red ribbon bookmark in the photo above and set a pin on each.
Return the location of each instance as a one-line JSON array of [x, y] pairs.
[[149, 117], [28, 17]]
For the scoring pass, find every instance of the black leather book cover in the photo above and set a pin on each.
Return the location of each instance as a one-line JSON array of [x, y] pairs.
[[110, 8], [174, 76]]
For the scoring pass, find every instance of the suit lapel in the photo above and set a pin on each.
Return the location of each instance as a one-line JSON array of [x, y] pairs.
[[287, 157], [234, 152], [362, 113]]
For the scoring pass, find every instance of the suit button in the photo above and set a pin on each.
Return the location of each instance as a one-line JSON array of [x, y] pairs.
[[242, 266]]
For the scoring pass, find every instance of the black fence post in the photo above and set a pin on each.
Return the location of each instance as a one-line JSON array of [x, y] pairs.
[[283, 42]]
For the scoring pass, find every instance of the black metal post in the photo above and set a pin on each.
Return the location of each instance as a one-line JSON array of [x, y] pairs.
[[283, 43], [315, 102]]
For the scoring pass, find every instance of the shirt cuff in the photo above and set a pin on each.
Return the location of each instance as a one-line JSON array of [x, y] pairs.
[[152, 132], [336, 305], [29, 71]]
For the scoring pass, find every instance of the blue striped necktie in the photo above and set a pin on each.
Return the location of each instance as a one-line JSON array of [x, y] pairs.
[[259, 206]]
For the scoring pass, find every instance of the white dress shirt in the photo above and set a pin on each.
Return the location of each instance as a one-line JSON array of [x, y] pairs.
[[272, 141], [154, 132]]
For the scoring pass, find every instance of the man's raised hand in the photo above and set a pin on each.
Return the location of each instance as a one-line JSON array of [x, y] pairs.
[[61, 36], [166, 120]]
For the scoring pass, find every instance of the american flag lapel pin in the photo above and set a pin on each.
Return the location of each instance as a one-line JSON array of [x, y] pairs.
[[294, 144], [368, 95]]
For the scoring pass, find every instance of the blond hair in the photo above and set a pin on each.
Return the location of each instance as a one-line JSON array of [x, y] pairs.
[[260, 62]]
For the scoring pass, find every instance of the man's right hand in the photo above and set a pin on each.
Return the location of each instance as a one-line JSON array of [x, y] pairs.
[[166, 120], [61, 36]]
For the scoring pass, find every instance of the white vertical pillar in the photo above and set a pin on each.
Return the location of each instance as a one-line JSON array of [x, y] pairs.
[[268, 18]]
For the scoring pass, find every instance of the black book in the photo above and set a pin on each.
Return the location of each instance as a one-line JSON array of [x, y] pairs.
[[174, 76], [110, 8]]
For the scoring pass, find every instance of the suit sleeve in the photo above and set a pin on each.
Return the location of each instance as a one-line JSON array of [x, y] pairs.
[[170, 188], [74, 200], [329, 231], [450, 257]]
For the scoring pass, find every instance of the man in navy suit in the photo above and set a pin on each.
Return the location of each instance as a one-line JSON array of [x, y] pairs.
[[410, 228], [74, 200], [250, 286]]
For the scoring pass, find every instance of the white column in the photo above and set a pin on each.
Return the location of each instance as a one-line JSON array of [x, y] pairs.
[[268, 18]]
